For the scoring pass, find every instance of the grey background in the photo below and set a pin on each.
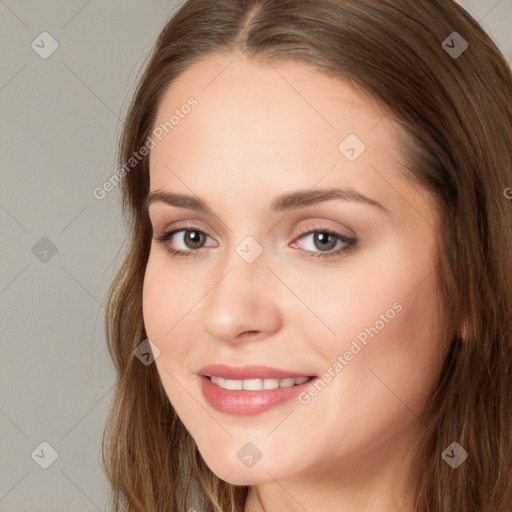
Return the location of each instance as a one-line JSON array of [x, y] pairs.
[[61, 118]]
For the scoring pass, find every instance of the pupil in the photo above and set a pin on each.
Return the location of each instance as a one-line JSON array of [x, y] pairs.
[[324, 240], [193, 238]]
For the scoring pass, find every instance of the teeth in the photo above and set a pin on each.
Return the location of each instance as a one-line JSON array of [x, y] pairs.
[[233, 384], [257, 384], [252, 384], [271, 383], [287, 383]]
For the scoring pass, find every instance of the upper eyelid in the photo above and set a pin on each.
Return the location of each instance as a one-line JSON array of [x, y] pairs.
[[196, 224], [193, 226]]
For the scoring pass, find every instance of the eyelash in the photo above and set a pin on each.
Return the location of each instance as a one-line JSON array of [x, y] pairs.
[[350, 243]]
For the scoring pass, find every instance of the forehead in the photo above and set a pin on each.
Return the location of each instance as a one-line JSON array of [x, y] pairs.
[[268, 126], [266, 93]]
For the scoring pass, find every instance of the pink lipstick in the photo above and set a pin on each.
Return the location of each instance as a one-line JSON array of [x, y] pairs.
[[249, 390]]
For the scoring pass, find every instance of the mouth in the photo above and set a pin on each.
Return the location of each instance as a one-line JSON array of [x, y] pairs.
[[250, 389]]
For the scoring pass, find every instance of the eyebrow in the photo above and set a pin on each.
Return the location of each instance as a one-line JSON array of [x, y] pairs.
[[285, 202]]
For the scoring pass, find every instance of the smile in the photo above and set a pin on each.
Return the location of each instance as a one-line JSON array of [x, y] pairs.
[[249, 390]]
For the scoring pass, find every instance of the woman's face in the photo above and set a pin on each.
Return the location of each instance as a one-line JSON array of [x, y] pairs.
[[285, 281]]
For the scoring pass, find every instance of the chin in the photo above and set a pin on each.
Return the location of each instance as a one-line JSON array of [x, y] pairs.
[[236, 473], [243, 477]]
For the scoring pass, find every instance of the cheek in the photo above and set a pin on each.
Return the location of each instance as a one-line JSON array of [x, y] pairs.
[[168, 302], [161, 311], [167, 296], [385, 317], [389, 289], [155, 303], [398, 354], [382, 384]]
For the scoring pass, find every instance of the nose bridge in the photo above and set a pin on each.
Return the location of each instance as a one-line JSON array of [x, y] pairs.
[[240, 300], [244, 267]]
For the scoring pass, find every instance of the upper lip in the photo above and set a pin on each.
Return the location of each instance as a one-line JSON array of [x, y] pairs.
[[248, 372]]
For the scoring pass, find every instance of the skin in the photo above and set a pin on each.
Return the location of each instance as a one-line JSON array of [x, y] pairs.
[[259, 131]]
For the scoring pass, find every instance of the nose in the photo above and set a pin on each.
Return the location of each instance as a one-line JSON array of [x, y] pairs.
[[242, 303]]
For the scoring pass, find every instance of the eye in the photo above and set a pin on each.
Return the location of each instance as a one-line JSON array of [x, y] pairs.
[[320, 242], [325, 243], [188, 241]]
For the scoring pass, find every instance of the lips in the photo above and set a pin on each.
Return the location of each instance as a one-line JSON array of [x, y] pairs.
[[250, 390]]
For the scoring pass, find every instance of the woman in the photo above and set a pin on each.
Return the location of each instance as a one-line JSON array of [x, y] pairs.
[[315, 310]]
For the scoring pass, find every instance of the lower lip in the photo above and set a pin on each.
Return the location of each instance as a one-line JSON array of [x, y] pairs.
[[244, 402]]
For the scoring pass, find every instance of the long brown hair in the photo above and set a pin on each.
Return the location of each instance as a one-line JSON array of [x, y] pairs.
[[457, 112]]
